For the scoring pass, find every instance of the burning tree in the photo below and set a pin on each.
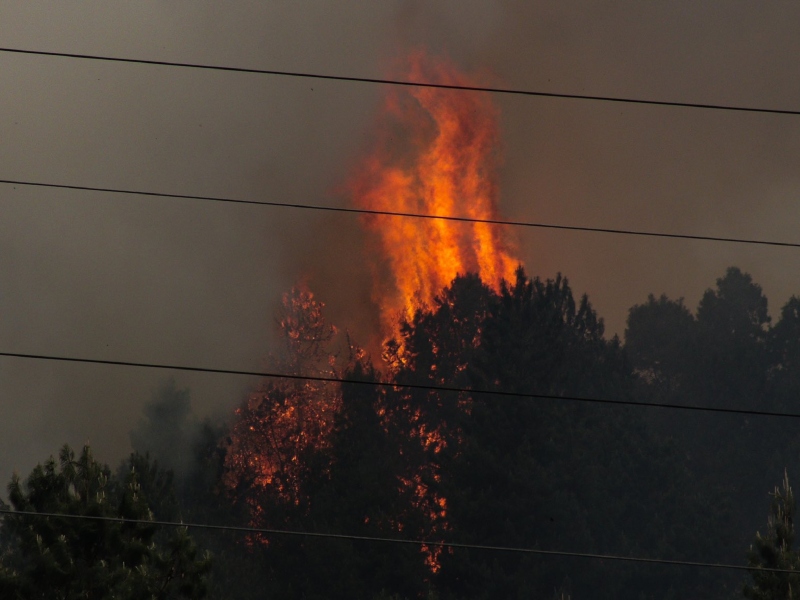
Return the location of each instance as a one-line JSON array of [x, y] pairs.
[[445, 165], [287, 437], [436, 153], [304, 452], [285, 423], [426, 464]]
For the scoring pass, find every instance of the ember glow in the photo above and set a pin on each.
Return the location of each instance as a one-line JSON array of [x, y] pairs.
[[435, 153], [283, 421]]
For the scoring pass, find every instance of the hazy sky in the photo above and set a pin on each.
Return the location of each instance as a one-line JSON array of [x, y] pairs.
[[101, 276]]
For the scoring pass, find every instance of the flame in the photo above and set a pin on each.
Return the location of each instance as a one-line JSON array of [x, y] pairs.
[[436, 153], [282, 422]]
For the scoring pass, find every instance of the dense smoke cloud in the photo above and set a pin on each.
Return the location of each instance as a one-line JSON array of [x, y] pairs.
[[185, 282]]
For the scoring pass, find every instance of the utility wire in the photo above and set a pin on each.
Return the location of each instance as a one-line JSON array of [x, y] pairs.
[[388, 213], [396, 385], [366, 538], [399, 82]]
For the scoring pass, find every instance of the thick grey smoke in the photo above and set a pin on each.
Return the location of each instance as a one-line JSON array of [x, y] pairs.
[[185, 282]]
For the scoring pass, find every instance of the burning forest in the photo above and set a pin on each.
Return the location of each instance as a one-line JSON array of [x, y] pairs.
[[433, 154], [495, 446], [354, 451]]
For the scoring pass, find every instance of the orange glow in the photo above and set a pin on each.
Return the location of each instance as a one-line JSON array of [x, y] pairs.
[[436, 153], [285, 420]]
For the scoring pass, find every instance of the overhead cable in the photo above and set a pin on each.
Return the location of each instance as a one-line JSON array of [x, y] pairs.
[[421, 543], [388, 213], [400, 82], [400, 384]]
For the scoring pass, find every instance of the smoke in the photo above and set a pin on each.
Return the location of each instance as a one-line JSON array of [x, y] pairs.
[[168, 429], [197, 283]]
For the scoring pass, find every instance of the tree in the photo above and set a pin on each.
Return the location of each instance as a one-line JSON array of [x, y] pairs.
[[775, 551], [785, 336], [732, 328], [784, 351], [356, 491], [533, 472], [69, 558], [660, 338], [297, 457], [281, 426]]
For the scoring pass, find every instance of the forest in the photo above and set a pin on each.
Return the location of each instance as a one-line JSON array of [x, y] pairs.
[[387, 453]]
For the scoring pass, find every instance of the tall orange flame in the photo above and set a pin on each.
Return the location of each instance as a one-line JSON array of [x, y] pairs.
[[436, 153]]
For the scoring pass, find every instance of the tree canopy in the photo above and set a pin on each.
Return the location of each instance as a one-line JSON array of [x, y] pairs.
[[96, 558], [468, 467]]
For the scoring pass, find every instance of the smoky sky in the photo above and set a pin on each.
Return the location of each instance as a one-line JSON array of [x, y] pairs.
[[180, 281]]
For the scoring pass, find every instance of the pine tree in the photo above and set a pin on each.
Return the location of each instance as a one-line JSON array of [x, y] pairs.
[[69, 559], [774, 551]]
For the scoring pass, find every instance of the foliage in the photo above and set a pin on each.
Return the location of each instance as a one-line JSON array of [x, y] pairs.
[[775, 551], [98, 557], [727, 355], [537, 473], [403, 462], [281, 426]]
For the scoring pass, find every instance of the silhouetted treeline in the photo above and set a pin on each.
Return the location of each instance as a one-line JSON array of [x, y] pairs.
[[474, 468]]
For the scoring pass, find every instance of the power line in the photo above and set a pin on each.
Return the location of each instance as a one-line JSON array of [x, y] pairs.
[[395, 385], [366, 538], [398, 82], [387, 213], [422, 543]]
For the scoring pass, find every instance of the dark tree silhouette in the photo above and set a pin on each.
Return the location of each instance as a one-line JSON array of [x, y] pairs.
[[67, 558]]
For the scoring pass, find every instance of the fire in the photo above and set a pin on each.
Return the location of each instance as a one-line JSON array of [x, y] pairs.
[[436, 153], [283, 421]]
